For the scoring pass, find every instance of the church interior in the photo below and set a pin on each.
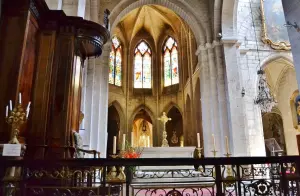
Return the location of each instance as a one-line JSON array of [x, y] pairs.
[[149, 79]]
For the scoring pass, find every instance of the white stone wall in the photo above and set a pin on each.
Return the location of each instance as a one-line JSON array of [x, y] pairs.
[[249, 61]]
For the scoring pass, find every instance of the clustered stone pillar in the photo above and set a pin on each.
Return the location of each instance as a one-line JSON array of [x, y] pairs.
[[292, 13], [97, 102], [217, 104]]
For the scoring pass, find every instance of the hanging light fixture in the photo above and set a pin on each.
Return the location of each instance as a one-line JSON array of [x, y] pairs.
[[264, 98]]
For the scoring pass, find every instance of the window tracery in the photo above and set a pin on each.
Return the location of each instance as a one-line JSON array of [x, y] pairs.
[[115, 63], [170, 54], [142, 66]]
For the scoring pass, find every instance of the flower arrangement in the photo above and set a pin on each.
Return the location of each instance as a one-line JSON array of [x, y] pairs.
[[131, 152]]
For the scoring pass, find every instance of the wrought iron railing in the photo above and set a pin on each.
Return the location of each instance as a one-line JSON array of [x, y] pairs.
[[150, 177]]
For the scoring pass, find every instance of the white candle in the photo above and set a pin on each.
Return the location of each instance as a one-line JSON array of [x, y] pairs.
[[20, 98], [115, 145], [148, 140], [123, 143], [198, 140], [227, 145], [10, 105], [214, 141], [132, 139], [6, 113], [28, 109]]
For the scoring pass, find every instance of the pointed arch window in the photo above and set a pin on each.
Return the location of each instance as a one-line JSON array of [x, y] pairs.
[[170, 56], [142, 66], [115, 63]]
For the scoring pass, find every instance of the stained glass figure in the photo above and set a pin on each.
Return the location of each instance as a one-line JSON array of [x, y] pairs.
[[170, 53], [115, 63], [142, 66]]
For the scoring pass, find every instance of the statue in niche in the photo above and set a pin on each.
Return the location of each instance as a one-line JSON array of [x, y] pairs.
[[297, 105]]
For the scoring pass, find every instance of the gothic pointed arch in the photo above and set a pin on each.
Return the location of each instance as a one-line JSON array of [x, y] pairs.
[[142, 65], [169, 106], [115, 63], [174, 127], [188, 131], [170, 62], [113, 127], [198, 110]]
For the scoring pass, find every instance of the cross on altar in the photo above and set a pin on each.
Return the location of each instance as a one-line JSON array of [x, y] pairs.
[[164, 119]]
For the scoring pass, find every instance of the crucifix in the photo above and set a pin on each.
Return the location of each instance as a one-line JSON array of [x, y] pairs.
[[164, 119]]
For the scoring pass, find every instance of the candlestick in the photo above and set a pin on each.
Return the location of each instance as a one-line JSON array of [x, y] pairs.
[[20, 98], [227, 145], [10, 105], [6, 113], [123, 142], [214, 141], [28, 109], [132, 144], [115, 145], [198, 140]]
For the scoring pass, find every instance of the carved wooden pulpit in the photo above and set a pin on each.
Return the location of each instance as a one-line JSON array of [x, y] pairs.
[[41, 55]]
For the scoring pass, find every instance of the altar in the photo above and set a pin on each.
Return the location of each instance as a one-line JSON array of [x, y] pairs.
[[167, 152]]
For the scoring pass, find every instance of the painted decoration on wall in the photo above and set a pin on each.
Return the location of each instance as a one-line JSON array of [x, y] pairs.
[[142, 66], [115, 63], [170, 54], [273, 25], [297, 104]]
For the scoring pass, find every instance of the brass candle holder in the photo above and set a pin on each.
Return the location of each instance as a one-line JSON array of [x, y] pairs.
[[198, 155], [214, 153], [16, 118], [113, 175]]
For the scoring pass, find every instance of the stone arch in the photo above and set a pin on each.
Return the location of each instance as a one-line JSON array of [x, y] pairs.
[[152, 117], [294, 109], [275, 57], [169, 106], [227, 14], [174, 127], [120, 111], [123, 8]]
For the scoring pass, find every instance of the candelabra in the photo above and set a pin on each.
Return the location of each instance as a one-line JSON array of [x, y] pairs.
[[113, 175], [16, 119]]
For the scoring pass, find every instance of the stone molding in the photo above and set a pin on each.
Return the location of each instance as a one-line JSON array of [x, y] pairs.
[[208, 46]]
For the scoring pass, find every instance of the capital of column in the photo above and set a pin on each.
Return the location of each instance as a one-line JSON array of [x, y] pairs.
[[207, 46]]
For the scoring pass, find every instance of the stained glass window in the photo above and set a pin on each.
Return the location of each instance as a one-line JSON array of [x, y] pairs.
[[170, 53], [142, 66], [115, 63]]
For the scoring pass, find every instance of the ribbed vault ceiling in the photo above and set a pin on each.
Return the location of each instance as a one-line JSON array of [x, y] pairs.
[[152, 18]]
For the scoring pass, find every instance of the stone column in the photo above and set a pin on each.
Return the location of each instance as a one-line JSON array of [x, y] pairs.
[[205, 103], [292, 13], [97, 106], [213, 98], [222, 98], [240, 145]]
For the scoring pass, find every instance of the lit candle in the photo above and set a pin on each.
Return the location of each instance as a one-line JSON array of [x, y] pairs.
[[28, 109], [123, 143], [214, 141], [132, 139], [115, 145], [6, 113], [227, 145], [20, 98], [10, 105], [198, 140]]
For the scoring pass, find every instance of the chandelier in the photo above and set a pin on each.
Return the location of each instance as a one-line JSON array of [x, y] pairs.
[[264, 98]]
